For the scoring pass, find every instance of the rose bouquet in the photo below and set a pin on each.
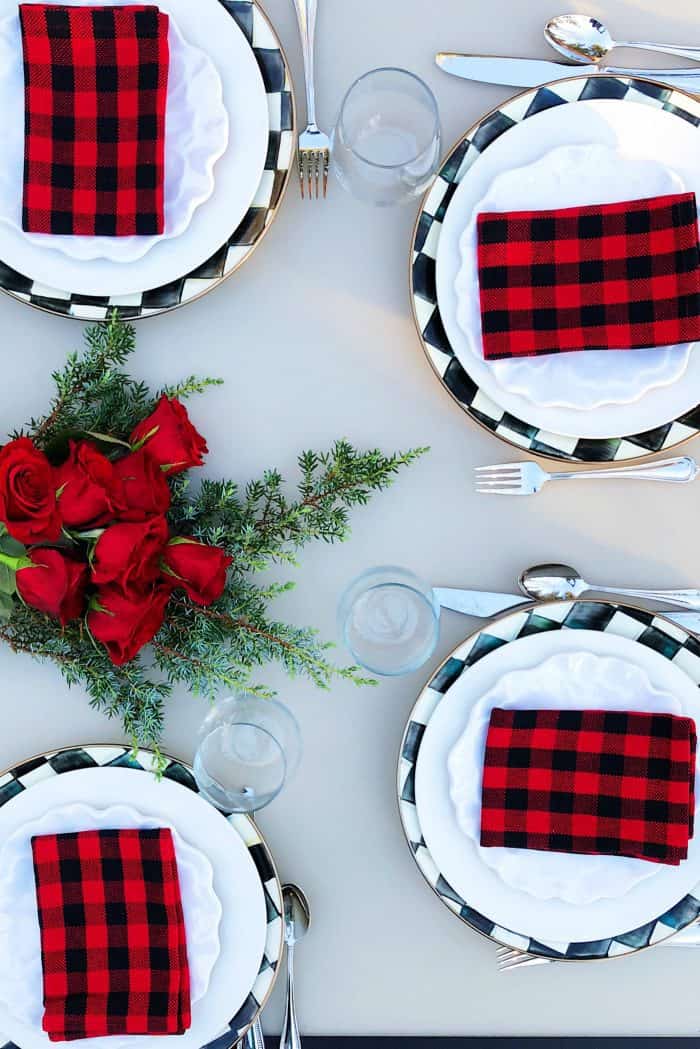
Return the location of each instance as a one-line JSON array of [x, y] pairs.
[[112, 560], [106, 547]]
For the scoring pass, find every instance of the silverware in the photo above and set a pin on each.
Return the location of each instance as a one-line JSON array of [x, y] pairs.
[[510, 958], [544, 582], [485, 605], [528, 478], [531, 72], [258, 1036], [297, 917], [314, 151], [582, 38]]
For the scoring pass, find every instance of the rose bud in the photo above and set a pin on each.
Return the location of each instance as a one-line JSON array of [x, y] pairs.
[[54, 584], [88, 487], [28, 506], [170, 438], [124, 623], [144, 489], [128, 555], [199, 569]]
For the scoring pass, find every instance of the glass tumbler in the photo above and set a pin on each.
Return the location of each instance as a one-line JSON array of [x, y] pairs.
[[386, 142], [248, 749], [389, 620]]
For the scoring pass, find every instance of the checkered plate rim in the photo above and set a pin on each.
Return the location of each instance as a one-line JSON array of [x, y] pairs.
[[69, 759], [274, 69], [480, 407], [646, 628]]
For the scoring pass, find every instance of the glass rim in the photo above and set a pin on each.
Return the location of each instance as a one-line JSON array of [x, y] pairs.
[[433, 105]]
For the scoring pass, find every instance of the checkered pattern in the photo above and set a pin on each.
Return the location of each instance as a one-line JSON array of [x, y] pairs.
[[588, 781], [607, 276], [95, 99], [456, 167], [113, 945]]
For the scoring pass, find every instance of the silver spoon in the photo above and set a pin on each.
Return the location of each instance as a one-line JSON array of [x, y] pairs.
[[297, 916], [582, 38], [546, 582]]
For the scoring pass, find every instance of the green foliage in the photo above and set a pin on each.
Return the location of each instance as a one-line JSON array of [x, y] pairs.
[[206, 649]]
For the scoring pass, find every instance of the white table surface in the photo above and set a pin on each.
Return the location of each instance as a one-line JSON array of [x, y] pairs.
[[384, 956]]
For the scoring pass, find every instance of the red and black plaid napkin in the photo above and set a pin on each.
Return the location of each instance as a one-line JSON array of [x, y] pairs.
[[605, 277], [95, 87], [113, 943], [590, 781]]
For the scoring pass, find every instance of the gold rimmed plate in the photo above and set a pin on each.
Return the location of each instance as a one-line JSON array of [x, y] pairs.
[[525, 428]]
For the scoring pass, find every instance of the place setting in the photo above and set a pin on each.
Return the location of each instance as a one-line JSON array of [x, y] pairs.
[[153, 165], [543, 304]]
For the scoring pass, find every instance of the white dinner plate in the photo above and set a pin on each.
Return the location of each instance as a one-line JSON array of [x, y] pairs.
[[637, 132], [236, 883], [458, 858], [208, 26], [569, 176], [651, 911], [577, 680]]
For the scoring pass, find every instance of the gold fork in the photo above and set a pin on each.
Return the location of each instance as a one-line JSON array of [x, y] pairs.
[[314, 150]]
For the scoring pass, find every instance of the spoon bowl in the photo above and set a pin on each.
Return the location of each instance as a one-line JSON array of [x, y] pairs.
[[297, 914], [580, 38], [552, 582], [584, 39]]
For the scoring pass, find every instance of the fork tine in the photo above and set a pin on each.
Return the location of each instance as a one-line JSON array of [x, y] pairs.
[[498, 475], [326, 160], [497, 466], [300, 164], [317, 170], [501, 491], [500, 482]]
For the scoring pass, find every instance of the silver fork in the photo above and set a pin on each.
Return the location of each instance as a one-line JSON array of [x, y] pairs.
[[528, 478], [314, 151]]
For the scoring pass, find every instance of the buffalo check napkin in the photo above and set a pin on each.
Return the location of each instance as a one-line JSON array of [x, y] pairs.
[[95, 87], [113, 946], [605, 277], [590, 781]]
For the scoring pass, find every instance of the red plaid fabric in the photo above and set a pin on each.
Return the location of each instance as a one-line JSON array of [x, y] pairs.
[[113, 943], [95, 95], [610, 276], [590, 781]]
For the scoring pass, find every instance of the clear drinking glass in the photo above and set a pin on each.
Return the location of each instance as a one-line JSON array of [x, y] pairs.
[[248, 748], [386, 142], [389, 620]]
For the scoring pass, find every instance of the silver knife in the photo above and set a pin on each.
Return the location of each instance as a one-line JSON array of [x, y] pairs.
[[531, 72], [484, 605]]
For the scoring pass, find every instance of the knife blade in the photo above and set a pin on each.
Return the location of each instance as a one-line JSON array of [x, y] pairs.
[[531, 72], [483, 605]]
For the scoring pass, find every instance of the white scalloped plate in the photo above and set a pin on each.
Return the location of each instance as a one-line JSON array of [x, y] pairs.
[[196, 137], [567, 681], [565, 177], [20, 944]]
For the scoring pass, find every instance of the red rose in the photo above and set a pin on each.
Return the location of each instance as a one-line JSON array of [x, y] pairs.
[[28, 505], [88, 487], [124, 623], [144, 489], [128, 555], [170, 438], [199, 569], [55, 584]]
